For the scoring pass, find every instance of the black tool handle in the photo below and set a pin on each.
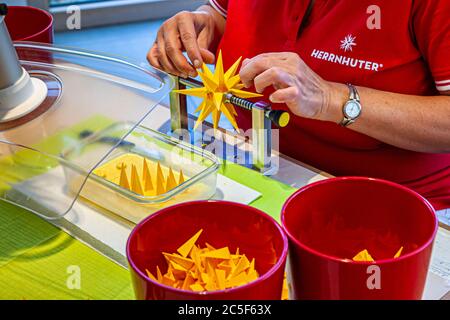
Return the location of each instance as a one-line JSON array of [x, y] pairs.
[[279, 117], [3, 9]]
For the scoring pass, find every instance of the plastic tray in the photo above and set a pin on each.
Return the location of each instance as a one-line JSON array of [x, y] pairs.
[[199, 169]]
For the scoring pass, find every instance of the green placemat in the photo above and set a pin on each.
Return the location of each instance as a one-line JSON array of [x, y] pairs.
[[39, 261]]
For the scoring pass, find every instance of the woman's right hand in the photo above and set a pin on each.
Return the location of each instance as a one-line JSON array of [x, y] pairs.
[[191, 32]]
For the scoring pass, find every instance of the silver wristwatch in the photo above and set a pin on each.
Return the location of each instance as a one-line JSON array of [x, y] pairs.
[[352, 108]]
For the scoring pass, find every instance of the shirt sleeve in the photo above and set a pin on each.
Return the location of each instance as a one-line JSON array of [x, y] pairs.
[[431, 25], [220, 6]]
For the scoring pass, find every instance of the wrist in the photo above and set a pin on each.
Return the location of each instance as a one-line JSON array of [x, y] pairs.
[[217, 19], [336, 98]]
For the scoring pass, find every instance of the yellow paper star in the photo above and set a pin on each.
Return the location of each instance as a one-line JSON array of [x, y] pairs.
[[213, 92]]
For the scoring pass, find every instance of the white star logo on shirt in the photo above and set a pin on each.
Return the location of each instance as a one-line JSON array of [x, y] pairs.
[[348, 43]]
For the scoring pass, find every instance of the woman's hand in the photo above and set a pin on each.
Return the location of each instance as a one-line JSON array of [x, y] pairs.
[[301, 89], [191, 32], [417, 123]]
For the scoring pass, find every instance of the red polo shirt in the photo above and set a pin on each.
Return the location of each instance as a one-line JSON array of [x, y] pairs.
[[341, 41]]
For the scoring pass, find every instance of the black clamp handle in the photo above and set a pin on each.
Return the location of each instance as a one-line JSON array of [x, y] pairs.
[[279, 117], [3, 9]]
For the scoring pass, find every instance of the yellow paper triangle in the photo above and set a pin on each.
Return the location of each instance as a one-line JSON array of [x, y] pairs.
[[124, 179], [229, 115], [188, 281], [149, 274], [218, 72], [244, 94], [221, 276], [197, 287], [232, 70], [204, 113], [241, 266], [239, 280], [171, 182], [208, 81], [159, 180], [200, 107], [206, 71], [181, 261], [148, 184], [186, 247], [195, 92], [158, 274], [222, 253], [363, 256], [136, 186], [233, 82], [181, 177], [399, 252], [218, 98]]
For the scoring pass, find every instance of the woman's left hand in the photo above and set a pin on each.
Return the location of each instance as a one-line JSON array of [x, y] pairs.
[[301, 89]]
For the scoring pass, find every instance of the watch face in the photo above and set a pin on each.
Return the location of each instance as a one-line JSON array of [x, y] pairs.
[[352, 109]]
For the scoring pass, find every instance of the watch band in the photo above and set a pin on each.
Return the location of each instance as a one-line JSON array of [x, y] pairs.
[[353, 95], [346, 122]]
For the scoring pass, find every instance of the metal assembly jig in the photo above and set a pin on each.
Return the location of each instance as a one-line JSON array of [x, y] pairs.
[[262, 118]]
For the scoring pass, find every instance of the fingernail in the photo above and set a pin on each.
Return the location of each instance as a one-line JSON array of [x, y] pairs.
[[184, 75], [271, 98], [197, 63]]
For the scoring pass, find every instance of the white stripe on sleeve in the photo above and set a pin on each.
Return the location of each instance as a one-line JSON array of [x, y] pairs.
[[218, 7]]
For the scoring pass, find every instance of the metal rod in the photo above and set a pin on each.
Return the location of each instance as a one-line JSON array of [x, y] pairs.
[[189, 82], [178, 108]]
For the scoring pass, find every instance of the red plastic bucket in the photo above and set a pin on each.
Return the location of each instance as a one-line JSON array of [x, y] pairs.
[[224, 224], [329, 222], [27, 23]]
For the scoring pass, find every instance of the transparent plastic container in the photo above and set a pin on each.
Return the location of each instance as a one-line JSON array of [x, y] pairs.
[[86, 92], [199, 168]]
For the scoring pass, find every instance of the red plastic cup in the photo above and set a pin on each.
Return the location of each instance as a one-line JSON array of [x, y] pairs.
[[329, 222], [224, 224], [27, 23]]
